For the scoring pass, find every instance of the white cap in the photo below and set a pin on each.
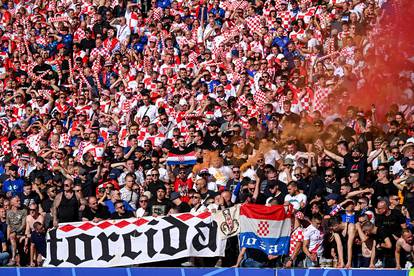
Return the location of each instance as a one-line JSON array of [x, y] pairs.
[[280, 56], [182, 102]]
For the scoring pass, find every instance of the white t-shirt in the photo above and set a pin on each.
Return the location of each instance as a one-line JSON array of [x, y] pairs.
[[296, 200], [315, 238], [151, 111], [271, 157]]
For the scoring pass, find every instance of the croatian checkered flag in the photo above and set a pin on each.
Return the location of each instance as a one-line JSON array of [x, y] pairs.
[[253, 24], [231, 32], [156, 15]]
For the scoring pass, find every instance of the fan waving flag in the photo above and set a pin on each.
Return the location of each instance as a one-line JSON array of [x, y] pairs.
[[181, 159], [266, 228]]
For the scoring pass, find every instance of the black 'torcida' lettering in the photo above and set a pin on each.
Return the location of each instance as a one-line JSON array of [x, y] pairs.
[[74, 250], [105, 245], [206, 242], [128, 245], [53, 246], [182, 234]]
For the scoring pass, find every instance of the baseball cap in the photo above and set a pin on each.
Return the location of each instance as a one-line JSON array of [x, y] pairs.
[[174, 195], [288, 162], [332, 196]]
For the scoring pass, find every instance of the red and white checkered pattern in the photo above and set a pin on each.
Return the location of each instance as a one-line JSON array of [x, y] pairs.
[[4, 146], [263, 229], [296, 237], [307, 99], [253, 24], [156, 14], [260, 98], [124, 222], [286, 17], [321, 95], [233, 5]]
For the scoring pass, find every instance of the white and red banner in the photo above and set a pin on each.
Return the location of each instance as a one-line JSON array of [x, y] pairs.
[[133, 241]]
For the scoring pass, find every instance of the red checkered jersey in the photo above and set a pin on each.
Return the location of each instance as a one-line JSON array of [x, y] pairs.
[[100, 52], [19, 110], [156, 140], [295, 238], [306, 16], [253, 24], [32, 142], [300, 34], [320, 96], [286, 17], [110, 43], [4, 146], [307, 99], [79, 35]]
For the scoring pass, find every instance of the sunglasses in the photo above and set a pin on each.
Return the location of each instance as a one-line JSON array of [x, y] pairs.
[[143, 201]]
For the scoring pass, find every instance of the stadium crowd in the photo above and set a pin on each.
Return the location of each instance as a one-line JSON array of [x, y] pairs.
[[253, 99]]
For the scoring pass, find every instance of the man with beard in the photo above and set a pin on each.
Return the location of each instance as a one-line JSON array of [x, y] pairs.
[[332, 186], [404, 250]]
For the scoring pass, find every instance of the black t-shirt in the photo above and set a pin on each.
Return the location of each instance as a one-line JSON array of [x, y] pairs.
[[360, 166], [159, 208], [39, 240], [183, 207], [383, 190], [212, 142], [87, 44], [127, 214], [101, 213], [47, 204], [409, 202], [40, 69], [380, 237], [26, 200], [207, 194], [390, 224]]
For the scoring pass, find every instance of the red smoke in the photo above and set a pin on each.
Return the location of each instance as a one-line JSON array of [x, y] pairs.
[[394, 44]]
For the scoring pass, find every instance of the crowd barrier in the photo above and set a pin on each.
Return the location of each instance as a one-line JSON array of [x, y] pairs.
[[138, 271]]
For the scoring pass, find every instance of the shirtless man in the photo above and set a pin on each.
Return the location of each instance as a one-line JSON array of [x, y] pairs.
[[404, 250]]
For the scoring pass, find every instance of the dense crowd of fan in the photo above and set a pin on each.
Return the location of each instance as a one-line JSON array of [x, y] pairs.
[[95, 96]]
